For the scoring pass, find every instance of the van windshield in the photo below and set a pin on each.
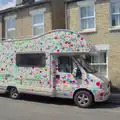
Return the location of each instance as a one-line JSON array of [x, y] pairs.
[[85, 64]]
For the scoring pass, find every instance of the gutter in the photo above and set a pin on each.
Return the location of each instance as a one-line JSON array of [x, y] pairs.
[[72, 1]]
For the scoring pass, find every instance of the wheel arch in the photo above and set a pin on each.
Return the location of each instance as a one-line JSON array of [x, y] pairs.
[[83, 89], [9, 87]]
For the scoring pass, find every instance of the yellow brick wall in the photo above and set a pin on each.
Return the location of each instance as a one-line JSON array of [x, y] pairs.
[[0, 28], [23, 24], [101, 36], [48, 21]]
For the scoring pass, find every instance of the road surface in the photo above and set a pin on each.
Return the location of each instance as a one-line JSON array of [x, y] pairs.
[[44, 108]]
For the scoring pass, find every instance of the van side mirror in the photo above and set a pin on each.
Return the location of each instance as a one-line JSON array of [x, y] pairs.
[[77, 72], [74, 72]]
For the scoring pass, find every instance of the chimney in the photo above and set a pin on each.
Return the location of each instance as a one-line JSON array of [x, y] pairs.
[[58, 14], [19, 2]]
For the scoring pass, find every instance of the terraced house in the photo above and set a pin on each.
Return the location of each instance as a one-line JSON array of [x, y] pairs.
[[99, 21], [26, 18]]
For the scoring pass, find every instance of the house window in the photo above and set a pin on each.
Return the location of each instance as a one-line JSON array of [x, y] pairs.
[[115, 13], [10, 27], [100, 63], [38, 24], [31, 59], [87, 17], [37, 0]]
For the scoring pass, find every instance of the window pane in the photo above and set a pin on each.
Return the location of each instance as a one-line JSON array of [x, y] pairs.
[[115, 7], [87, 17], [11, 23], [38, 30], [103, 69], [90, 11], [84, 23], [115, 20], [10, 34], [87, 11], [65, 64], [38, 19], [31, 59], [83, 12], [91, 23], [102, 57], [96, 67], [94, 59]]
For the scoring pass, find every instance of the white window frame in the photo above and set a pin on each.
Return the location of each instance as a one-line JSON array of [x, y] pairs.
[[103, 48], [7, 18], [38, 12], [87, 3], [112, 28]]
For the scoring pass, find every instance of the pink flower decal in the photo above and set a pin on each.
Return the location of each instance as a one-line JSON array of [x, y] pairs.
[[40, 82], [101, 94], [98, 84], [82, 38], [64, 81], [48, 83], [56, 68], [66, 42], [78, 85], [2, 69], [69, 75]]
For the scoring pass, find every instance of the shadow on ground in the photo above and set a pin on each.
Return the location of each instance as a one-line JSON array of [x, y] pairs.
[[64, 102], [115, 90]]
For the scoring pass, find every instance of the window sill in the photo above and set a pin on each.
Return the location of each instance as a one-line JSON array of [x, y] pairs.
[[114, 28], [88, 31], [94, 64]]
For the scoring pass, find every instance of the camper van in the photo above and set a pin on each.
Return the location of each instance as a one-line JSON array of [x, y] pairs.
[[53, 64]]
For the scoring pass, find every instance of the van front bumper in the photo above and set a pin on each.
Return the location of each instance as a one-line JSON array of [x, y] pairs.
[[102, 96], [2, 89]]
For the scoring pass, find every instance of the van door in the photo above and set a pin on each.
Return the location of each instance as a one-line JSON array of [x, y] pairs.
[[64, 77]]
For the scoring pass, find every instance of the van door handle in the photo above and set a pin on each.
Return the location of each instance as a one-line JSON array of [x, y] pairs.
[[58, 76], [7, 75]]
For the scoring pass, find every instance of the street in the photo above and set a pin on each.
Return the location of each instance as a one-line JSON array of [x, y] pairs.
[[43, 108]]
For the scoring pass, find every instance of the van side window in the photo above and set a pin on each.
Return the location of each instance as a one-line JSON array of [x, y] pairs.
[[31, 59], [65, 64]]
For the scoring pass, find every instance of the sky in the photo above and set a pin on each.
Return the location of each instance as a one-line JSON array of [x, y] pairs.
[[6, 4]]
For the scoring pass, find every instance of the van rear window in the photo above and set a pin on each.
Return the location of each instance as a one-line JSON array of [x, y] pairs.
[[31, 59]]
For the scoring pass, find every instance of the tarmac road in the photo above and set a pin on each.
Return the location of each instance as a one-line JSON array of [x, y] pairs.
[[44, 108]]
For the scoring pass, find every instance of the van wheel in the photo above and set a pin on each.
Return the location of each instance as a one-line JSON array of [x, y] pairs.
[[83, 99], [13, 93]]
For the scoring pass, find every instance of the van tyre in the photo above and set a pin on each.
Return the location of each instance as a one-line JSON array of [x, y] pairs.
[[13, 93], [83, 99]]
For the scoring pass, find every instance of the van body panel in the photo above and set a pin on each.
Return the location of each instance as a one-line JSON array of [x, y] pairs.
[[46, 79]]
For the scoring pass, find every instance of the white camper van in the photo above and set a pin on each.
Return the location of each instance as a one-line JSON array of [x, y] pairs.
[[52, 65]]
